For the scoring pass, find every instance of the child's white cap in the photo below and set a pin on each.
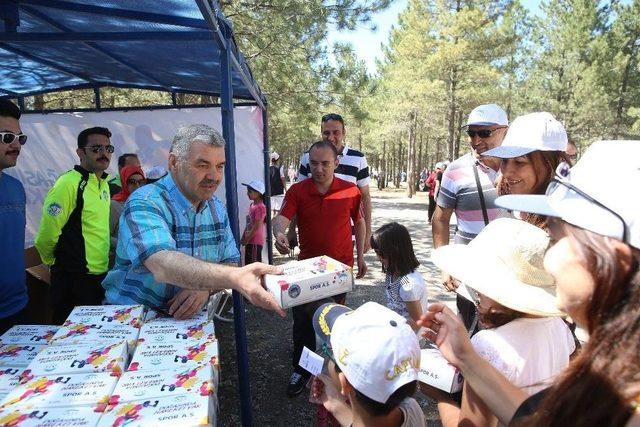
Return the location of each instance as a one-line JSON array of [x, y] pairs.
[[373, 346], [256, 185]]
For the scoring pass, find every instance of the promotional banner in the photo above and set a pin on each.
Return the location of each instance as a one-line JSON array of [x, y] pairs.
[[51, 147]]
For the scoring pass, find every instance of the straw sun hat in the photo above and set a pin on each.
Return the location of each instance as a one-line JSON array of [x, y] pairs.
[[504, 262]]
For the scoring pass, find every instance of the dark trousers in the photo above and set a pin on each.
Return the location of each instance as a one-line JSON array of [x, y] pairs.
[[468, 312], [252, 253], [303, 333], [71, 289], [432, 207], [19, 318]]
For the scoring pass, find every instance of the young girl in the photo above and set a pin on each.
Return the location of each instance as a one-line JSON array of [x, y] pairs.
[[405, 288], [255, 230]]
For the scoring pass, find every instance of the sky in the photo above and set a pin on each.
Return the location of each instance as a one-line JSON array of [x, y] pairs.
[[367, 43]]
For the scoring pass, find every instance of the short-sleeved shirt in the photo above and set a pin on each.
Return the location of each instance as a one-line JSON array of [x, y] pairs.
[[13, 287], [159, 217], [352, 167], [324, 220], [257, 214], [409, 287], [527, 351], [459, 191]]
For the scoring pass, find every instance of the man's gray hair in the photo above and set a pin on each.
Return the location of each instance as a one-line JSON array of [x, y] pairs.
[[187, 135]]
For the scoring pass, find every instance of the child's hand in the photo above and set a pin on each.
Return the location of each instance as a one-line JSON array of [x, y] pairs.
[[317, 388]]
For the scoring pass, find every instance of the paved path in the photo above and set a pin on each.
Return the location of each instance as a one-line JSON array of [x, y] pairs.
[[270, 337]]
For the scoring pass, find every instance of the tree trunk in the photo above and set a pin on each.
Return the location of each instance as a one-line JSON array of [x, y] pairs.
[[38, 102], [458, 135], [453, 82], [411, 155], [382, 172]]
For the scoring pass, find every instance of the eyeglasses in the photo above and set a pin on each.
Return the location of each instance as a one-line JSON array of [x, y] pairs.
[[10, 137], [138, 182], [101, 148], [563, 171], [482, 133]]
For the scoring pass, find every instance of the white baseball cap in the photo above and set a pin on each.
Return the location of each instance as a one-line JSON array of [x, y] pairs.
[[584, 197], [373, 346], [487, 115], [531, 132], [256, 185], [504, 262], [156, 172], [439, 165], [275, 156]]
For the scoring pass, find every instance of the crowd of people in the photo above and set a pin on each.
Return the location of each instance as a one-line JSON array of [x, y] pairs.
[[541, 246]]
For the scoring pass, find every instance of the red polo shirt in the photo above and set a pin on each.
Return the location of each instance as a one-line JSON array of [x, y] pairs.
[[324, 220]]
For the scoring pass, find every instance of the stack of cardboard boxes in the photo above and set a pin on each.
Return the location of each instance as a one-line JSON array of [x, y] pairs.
[[80, 373]]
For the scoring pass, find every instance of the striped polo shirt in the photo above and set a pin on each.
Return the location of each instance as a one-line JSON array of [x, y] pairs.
[[459, 192], [352, 167]]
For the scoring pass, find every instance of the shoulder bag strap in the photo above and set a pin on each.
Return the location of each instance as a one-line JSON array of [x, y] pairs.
[[485, 216]]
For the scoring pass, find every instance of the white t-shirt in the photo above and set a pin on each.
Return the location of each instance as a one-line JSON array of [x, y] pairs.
[[413, 416], [406, 288], [528, 351]]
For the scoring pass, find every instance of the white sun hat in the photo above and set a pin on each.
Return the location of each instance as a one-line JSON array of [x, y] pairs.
[[487, 115], [275, 156], [373, 346], [582, 195], [255, 185], [504, 262], [531, 132]]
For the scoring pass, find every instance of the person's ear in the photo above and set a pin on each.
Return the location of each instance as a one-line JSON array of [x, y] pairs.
[[345, 386], [173, 161], [81, 153], [336, 162]]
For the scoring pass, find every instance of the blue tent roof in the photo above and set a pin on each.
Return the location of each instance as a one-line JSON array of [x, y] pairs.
[[169, 45]]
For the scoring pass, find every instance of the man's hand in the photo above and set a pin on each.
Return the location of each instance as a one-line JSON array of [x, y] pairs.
[[282, 244], [248, 281], [449, 282], [186, 303], [362, 267]]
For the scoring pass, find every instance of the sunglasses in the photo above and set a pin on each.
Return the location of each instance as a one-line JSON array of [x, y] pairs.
[[138, 182], [561, 179], [332, 116], [10, 137], [101, 148], [482, 133]]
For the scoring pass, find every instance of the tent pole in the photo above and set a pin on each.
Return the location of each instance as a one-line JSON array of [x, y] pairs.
[[96, 92], [267, 162], [231, 185]]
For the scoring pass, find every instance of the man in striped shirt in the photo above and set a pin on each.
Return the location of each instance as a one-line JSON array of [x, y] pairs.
[[486, 127], [352, 165]]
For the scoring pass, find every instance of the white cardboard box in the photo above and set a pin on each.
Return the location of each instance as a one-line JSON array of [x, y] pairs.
[[81, 416], [166, 329], [80, 333], [85, 358], [151, 315], [182, 410], [9, 379], [437, 372], [175, 355], [29, 334], [58, 391], [19, 355], [309, 280], [110, 314], [133, 386]]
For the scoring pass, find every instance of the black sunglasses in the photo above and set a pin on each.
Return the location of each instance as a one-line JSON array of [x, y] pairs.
[[482, 133], [332, 116], [101, 148], [10, 137]]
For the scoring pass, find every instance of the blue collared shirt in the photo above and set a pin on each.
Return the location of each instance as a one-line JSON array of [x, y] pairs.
[[159, 217]]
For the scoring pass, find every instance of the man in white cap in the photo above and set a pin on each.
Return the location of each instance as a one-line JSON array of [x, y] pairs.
[[468, 189], [277, 183], [374, 361]]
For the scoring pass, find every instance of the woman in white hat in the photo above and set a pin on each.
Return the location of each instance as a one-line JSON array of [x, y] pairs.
[[595, 259], [533, 147], [524, 336]]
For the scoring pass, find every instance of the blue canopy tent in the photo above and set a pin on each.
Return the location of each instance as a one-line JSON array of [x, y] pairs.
[[177, 46]]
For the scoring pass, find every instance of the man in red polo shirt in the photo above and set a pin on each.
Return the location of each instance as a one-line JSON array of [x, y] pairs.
[[324, 206]]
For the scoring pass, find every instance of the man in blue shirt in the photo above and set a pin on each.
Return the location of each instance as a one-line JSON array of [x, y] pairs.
[[13, 287], [174, 235]]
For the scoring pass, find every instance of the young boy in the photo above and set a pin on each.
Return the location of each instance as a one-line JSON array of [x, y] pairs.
[[254, 233], [373, 368]]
